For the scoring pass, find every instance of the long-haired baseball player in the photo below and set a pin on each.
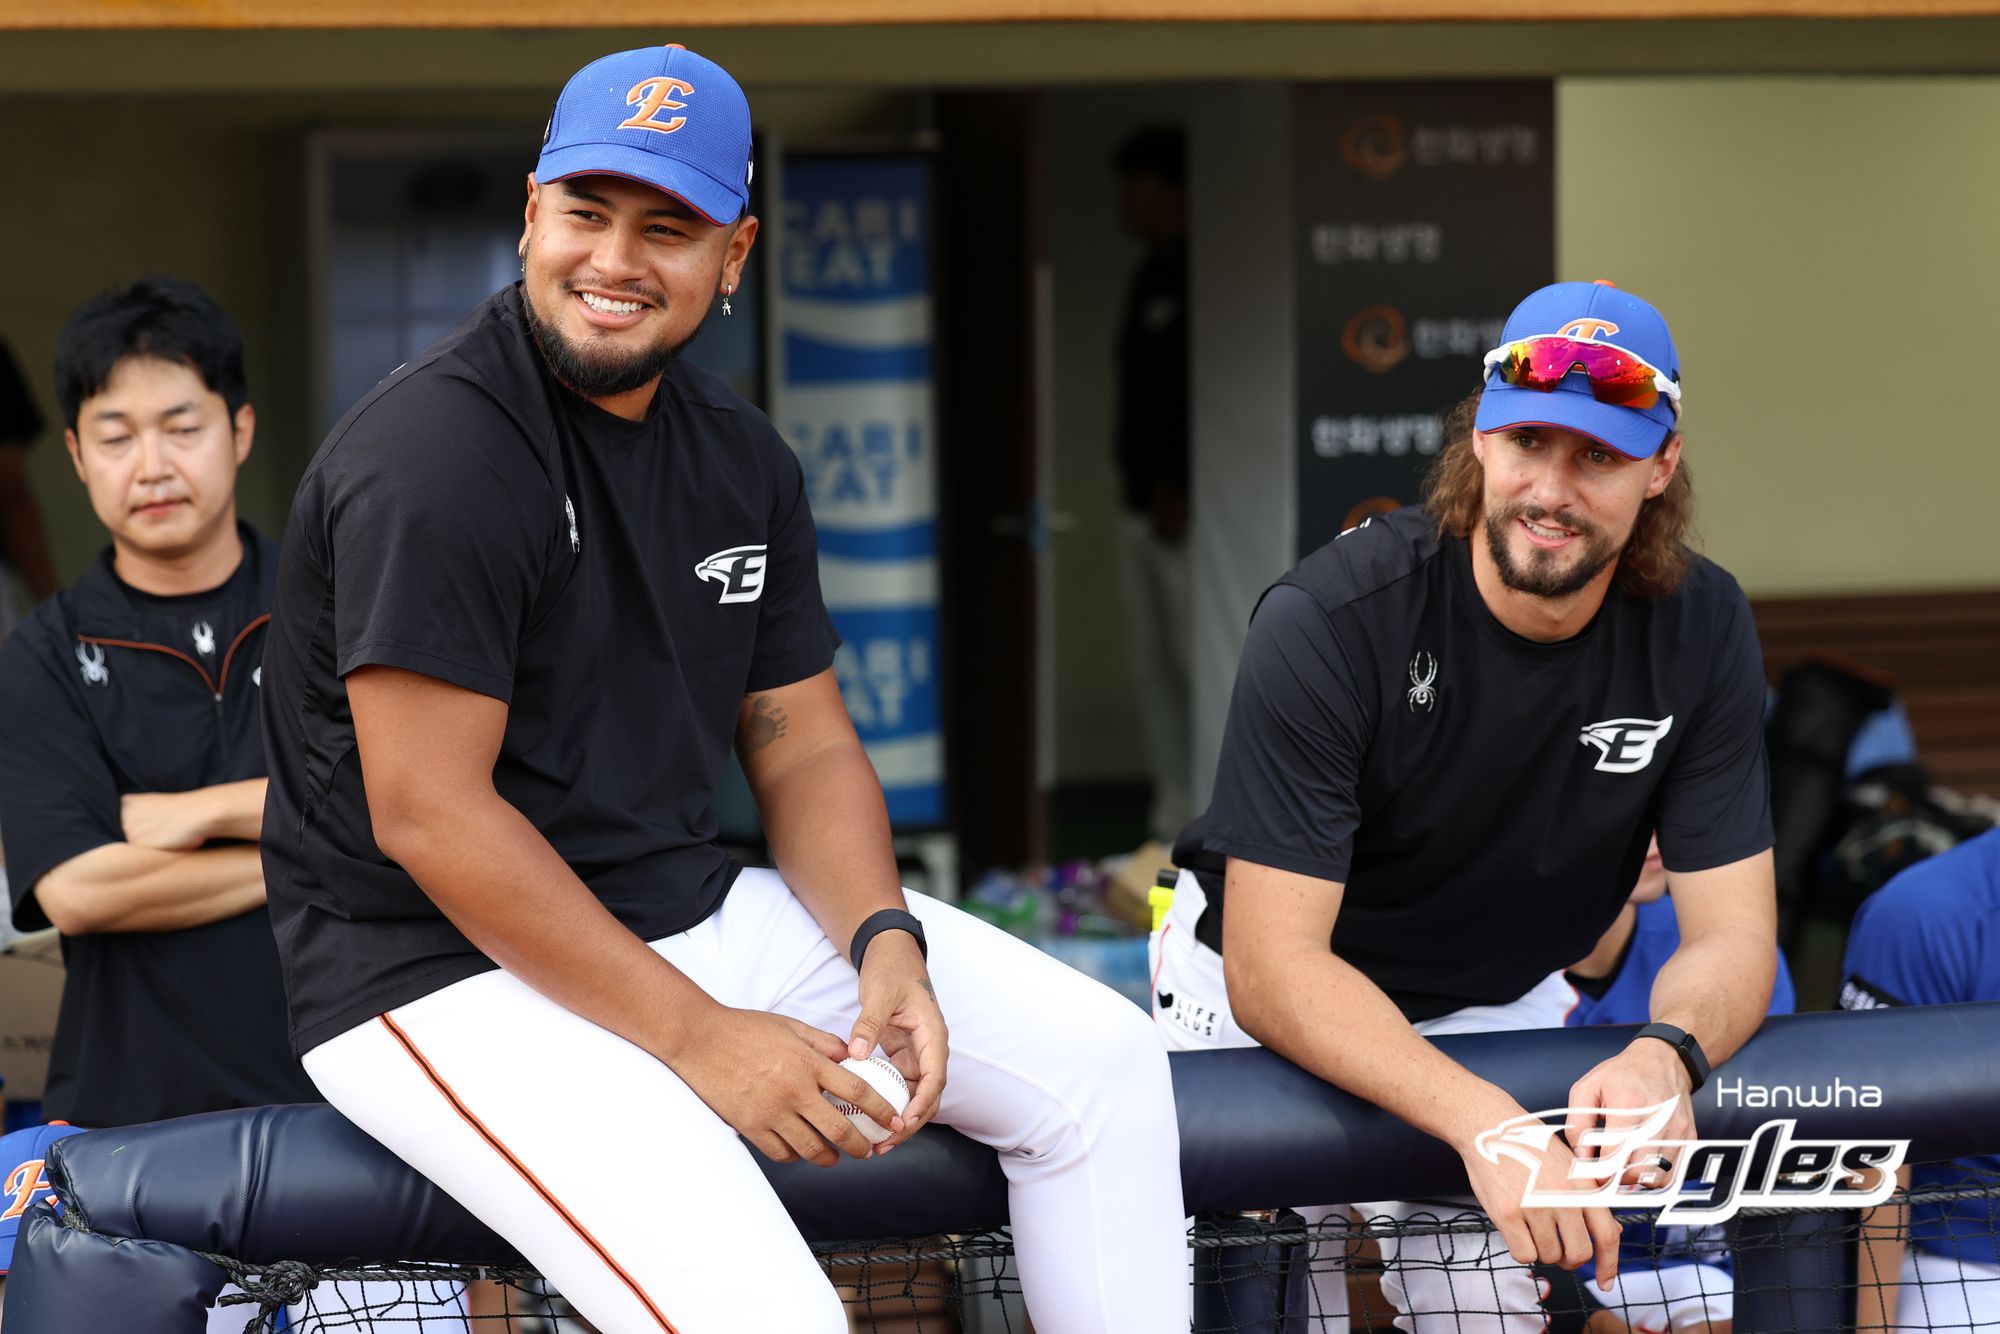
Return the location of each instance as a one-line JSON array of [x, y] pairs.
[[535, 587], [1453, 732]]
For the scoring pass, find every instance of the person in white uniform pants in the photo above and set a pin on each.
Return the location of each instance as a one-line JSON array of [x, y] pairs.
[[535, 588], [1453, 731]]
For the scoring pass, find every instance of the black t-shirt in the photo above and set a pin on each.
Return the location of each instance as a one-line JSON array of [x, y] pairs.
[[1486, 800], [619, 585], [1152, 445], [106, 690]]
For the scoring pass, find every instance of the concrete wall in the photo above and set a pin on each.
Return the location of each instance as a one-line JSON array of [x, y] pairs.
[[1824, 249], [1244, 529]]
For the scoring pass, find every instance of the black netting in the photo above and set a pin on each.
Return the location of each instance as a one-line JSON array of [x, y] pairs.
[[1925, 1260]]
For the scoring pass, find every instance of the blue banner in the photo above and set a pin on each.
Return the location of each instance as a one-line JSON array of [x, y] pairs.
[[853, 395]]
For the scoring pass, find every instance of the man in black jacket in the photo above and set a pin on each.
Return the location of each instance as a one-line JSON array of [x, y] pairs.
[[131, 747]]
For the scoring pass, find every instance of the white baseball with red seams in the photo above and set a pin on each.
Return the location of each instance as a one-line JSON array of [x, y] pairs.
[[886, 1080]]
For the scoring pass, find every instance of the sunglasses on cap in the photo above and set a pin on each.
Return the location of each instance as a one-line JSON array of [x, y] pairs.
[[1616, 376]]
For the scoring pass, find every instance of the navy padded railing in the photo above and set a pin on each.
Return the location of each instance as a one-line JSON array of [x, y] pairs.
[[301, 1183]]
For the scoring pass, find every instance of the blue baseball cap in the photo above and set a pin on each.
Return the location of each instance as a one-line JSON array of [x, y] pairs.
[[22, 1178], [1599, 311], [662, 116]]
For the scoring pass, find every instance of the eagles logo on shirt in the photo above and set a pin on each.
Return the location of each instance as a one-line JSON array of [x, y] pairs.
[[740, 571], [1625, 745]]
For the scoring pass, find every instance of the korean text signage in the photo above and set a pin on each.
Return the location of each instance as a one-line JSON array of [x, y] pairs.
[[854, 398], [1424, 213]]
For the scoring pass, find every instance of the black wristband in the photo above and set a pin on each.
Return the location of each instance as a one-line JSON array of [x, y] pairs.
[[1685, 1047], [889, 919]]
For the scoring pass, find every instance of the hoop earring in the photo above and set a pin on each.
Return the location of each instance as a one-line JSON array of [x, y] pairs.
[[725, 298]]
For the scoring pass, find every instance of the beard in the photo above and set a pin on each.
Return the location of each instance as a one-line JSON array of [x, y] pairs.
[[593, 373], [1543, 574]]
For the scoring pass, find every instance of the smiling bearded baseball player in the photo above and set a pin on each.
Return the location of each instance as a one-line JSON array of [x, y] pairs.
[[1453, 732], [534, 586]]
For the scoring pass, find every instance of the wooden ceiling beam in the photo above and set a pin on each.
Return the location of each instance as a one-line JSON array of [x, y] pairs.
[[547, 14]]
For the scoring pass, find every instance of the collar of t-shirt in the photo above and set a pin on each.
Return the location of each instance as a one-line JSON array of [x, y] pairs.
[[1458, 555], [592, 421], [201, 625], [598, 424]]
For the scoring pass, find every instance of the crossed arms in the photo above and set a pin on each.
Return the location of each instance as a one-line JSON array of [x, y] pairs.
[[162, 876]]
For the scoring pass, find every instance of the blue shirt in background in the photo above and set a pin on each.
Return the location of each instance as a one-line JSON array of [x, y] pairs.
[[1931, 936], [1628, 1000]]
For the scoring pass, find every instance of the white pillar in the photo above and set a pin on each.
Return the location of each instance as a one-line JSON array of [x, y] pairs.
[[1245, 399]]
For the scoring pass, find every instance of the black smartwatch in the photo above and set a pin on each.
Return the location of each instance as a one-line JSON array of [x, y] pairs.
[[889, 919], [1684, 1046]]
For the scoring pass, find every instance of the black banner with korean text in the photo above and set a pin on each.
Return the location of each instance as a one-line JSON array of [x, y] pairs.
[[1424, 212]]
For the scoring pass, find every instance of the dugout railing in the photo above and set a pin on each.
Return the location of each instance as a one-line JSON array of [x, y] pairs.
[[145, 1206]]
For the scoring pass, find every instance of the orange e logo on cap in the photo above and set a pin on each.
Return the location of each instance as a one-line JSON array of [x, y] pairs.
[[656, 94], [1588, 328], [23, 1183]]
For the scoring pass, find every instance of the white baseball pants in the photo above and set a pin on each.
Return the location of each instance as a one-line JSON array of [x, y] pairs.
[[1458, 1281], [646, 1210], [1660, 1299]]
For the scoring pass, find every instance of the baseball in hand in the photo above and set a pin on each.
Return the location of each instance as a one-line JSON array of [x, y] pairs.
[[886, 1080]]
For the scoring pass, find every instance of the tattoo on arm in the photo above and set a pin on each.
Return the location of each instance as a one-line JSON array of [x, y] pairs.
[[925, 983], [765, 724]]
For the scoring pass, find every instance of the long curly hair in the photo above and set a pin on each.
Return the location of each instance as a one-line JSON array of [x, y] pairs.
[[1654, 561]]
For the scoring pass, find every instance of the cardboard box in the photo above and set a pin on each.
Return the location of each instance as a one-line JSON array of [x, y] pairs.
[[31, 983]]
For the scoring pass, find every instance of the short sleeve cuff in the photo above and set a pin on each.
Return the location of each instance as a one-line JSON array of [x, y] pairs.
[[1711, 858], [770, 674], [1281, 859], [26, 869], [27, 911], [426, 663]]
